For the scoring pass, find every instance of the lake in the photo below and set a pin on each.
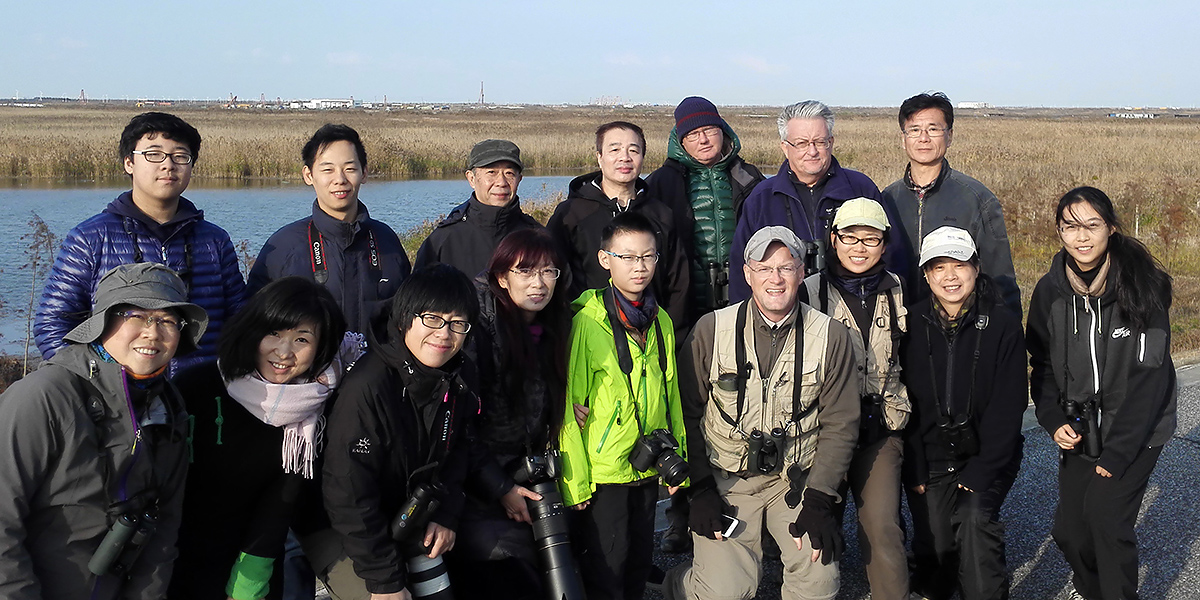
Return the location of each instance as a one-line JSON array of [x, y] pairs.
[[249, 212]]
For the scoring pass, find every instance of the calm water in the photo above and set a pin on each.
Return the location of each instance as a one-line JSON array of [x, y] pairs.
[[248, 213]]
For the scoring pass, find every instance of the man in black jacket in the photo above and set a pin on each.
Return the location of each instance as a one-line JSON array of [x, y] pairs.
[[466, 238], [592, 202]]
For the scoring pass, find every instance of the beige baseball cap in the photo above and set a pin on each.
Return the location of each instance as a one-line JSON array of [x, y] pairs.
[[861, 211]]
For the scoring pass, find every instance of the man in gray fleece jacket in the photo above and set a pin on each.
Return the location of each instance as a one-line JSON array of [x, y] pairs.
[[931, 195]]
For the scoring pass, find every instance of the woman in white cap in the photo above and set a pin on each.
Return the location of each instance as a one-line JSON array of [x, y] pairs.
[[256, 417], [964, 367], [1104, 385], [95, 448], [858, 290]]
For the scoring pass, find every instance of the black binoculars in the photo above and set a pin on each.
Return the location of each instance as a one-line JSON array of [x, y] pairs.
[[123, 543], [959, 439], [765, 452], [1084, 418]]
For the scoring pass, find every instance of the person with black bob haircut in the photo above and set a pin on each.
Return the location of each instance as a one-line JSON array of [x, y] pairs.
[[1099, 337], [398, 432], [360, 259], [279, 361]]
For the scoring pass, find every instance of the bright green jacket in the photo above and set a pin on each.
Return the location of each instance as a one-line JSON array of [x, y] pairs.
[[599, 453]]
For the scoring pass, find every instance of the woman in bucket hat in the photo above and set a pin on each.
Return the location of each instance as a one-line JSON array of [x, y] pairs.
[[93, 448]]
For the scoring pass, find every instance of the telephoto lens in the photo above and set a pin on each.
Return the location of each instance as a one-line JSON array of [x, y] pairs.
[[550, 537], [113, 544], [427, 577]]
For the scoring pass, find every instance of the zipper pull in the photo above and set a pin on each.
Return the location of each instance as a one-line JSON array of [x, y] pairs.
[[137, 437], [618, 412]]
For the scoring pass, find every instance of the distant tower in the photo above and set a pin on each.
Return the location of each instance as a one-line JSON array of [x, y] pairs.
[[262, 98], [481, 93], [82, 97]]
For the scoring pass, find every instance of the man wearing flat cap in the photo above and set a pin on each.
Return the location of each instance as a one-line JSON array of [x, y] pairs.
[[770, 399], [466, 238], [95, 448], [704, 182]]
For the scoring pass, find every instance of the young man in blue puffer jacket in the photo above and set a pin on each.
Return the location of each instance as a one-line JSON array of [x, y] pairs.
[[150, 223]]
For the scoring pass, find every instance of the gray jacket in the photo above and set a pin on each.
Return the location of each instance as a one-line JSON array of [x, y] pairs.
[[958, 201], [67, 454]]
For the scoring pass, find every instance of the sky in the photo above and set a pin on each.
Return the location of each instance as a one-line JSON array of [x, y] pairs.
[[845, 53]]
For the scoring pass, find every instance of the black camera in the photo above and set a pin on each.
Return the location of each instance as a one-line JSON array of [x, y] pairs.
[[539, 467], [872, 426], [764, 452], [959, 439], [814, 257], [551, 535], [122, 545], [718, 277], [657, 450], [427, 577], [1084, 418]]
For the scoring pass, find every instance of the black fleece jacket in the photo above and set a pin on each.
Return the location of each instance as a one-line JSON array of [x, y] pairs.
[[935, 359], [1135, 373], [391, 417]]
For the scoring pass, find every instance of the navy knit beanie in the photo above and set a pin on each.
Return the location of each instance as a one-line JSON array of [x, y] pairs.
[[695, 112]]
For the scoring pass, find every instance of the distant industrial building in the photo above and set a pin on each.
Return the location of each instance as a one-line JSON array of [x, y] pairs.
[[1132, 115], [975, 105]]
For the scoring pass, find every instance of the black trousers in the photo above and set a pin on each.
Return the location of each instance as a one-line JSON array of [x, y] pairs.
[[958, 540], [1094, 524], [615, 538]]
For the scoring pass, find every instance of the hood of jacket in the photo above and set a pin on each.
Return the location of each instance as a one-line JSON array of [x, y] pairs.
[[483, 215], [587, 187], [338, 229], [733, 147]]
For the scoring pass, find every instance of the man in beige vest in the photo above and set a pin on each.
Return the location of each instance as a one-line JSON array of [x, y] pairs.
[[776, 453]]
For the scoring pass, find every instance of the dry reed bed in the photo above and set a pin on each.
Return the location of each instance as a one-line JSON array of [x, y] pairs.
[[1029, 161]]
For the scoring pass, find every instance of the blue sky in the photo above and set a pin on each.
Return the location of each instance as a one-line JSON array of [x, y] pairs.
[[847, 53]]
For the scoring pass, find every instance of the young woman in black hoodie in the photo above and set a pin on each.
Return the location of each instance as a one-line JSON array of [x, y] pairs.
[[1099, 339], [964, 367]]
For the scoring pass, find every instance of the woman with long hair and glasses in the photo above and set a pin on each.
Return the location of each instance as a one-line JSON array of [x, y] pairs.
[[521, 353], [1099, 338], [256, 420]]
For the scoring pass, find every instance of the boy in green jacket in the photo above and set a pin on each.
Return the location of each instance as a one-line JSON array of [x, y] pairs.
[[629, 427]]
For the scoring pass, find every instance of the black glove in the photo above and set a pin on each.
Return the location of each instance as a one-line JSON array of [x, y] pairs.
[[817, 520], [707, 508]]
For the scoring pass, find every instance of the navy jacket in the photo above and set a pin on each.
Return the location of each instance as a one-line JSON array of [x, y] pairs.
[[775, 202], [358, 287], [200, 252]]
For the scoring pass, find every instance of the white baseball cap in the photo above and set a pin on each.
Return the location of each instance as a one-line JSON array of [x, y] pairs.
[[947, 241]]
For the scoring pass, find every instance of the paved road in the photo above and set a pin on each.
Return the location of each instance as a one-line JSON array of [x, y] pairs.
[[1168, 527]]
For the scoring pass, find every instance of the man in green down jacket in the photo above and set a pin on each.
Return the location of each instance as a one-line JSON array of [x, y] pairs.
[[704, 182]]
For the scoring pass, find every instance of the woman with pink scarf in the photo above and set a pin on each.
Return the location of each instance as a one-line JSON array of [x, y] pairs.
[[257, 418]]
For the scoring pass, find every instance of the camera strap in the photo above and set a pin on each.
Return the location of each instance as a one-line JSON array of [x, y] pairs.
[[317, 250], [981, 323], [185, 273], [625, 358], [744, 367]]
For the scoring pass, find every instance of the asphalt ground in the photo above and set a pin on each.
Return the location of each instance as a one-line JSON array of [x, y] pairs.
[[1168, 527]]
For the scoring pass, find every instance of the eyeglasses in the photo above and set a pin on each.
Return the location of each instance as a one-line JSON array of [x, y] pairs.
[[1067, 227], [932, 131], [157, 156], [766, 271], [145, 321], [709, 132], [818, 143], [631, 259], [528, 274], [433, 321], [849, 240]]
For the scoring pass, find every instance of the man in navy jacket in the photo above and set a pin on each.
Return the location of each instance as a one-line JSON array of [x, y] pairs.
[[809, 188]]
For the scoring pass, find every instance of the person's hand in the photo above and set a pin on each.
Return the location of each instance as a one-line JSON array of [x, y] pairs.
[[1066, 438], [581, 414], [400, 595], [919, 488], [817, 520], [705, 516], [1101, 471], [963, 487], [514, 503], [581, 505], [438, 539], [671, 489]]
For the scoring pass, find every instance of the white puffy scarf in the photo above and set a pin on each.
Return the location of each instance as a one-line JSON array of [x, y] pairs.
[[296, 407]]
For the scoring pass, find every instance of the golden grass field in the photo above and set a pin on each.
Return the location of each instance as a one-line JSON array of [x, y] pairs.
[[1027, 157]]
